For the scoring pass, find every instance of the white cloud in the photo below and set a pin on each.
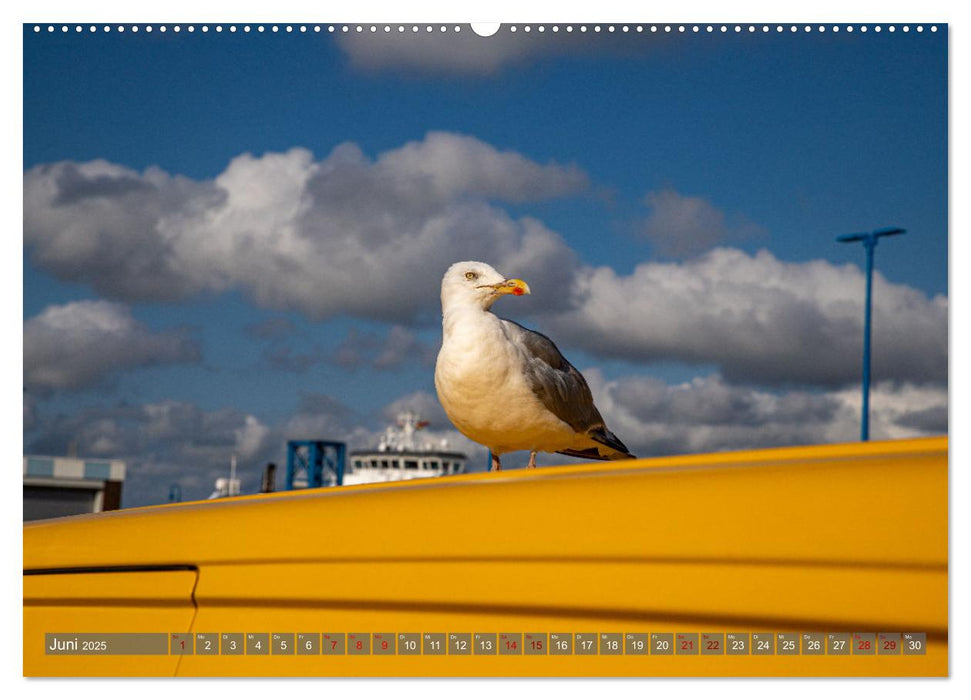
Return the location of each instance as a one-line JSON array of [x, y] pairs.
[[709, 415], [85, 343], [251, 437], [454, 165], [758, 319], [164, 442], [114, 228], [681, 226], [344, 235], [900, 411]]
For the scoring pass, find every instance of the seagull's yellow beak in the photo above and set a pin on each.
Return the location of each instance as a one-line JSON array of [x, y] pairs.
[[514, 286]]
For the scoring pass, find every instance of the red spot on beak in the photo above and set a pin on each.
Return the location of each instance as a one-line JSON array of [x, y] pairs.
[[517, 292]]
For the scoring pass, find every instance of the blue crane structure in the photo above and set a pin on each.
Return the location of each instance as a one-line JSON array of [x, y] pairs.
[[309, 461]]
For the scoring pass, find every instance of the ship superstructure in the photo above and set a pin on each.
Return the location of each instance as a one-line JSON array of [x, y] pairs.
[[402, 454]]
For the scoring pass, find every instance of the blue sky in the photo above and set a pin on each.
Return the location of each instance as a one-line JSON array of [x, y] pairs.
[[672, 199]]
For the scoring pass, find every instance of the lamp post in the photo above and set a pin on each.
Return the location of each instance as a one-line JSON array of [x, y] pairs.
[[869, 241]]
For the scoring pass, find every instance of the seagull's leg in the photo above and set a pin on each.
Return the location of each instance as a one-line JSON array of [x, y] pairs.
[[496, 466], [532, 460]]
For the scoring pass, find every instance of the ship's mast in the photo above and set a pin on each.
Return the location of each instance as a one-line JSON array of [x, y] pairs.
[[402, 438]]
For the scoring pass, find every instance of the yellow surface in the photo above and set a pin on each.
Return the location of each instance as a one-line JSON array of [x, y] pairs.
[[838, 538], [157, 601]]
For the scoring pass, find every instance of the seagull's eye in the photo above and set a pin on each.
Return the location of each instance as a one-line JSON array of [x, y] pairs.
[[471, 276]]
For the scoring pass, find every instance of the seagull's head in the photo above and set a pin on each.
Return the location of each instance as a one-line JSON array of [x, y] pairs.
[[477, 284]]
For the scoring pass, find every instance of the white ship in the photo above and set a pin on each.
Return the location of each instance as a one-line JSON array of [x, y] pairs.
[[401, 455]]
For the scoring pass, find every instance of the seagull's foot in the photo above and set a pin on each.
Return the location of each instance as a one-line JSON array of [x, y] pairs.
[[532, 460], [496, 465]]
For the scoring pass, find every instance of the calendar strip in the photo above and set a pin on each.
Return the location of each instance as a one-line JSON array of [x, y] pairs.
[[490, 644]]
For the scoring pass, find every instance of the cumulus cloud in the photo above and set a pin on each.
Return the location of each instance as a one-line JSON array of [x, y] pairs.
[[83, 344], [709, 415], [682, 226], [901, 410], [758, 319], [114, 228], [344, 235], [452, 165], [164, 442]]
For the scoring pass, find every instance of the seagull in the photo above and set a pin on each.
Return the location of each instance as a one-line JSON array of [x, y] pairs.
[[507, 387]]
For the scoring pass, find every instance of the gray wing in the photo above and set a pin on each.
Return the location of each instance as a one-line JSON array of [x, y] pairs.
[[558, 384]]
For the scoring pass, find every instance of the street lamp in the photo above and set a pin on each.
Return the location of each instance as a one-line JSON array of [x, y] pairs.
[[869, 241]]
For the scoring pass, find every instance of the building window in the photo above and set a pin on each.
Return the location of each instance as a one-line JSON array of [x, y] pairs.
[[411, 464]]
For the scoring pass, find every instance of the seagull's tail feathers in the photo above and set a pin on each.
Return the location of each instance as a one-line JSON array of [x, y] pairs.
[[609, 446]]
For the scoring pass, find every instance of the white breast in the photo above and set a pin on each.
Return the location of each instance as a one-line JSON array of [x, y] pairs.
[[481, 386]]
